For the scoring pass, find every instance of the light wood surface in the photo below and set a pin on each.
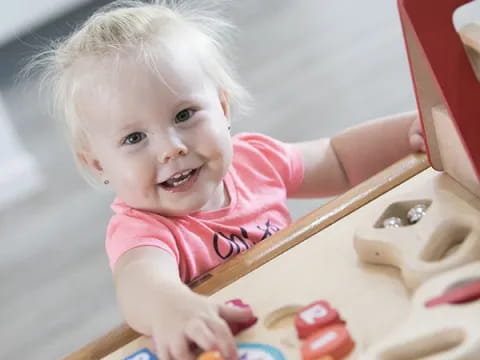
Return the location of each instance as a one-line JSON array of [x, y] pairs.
[[443, 332]]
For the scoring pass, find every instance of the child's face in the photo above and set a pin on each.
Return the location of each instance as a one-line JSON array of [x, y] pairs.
[[164, 146]]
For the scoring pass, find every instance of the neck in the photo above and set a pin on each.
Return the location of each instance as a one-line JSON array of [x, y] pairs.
[[219, 199]]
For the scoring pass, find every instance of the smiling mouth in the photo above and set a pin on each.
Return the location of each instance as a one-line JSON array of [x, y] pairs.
[[179, 179]]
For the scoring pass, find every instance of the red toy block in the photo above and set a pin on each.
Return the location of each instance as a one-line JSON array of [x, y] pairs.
[[333, 341], [236, 328], [463, 294], [314, 317]]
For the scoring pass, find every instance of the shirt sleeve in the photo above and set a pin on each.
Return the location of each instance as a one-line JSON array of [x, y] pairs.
[[126, 232], [286, 159]]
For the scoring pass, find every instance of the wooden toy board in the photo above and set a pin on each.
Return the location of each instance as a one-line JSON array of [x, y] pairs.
[[371, 298]]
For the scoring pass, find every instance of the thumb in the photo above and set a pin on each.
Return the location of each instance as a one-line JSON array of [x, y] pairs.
[[234, 314]]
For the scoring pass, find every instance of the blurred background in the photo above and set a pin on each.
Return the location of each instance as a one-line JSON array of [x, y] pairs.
[[313, 68]]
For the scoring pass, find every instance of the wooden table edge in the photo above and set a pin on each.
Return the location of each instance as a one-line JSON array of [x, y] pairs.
[[275, 245]]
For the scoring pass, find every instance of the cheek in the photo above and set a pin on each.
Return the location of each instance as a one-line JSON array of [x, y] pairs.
[[224, 148], [214, 130], [218, 142], [128, 169]]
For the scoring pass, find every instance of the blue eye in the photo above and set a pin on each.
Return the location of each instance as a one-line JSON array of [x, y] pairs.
[[134, 138], [183, 116]]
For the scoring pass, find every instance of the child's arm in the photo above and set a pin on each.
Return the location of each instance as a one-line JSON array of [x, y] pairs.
[[333, 165], [155, 302]]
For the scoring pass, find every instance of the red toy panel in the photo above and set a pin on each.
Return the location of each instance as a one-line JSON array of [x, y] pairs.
[[442, 72]]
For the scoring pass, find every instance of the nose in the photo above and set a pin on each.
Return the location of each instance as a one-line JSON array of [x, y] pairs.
[[173, 149]]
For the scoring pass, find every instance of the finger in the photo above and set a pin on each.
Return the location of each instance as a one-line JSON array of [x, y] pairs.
[[232, 313], [179, 349], [417, 142], [162, 352], [200, 334], [416, 125], [160, 349], [224, 339]]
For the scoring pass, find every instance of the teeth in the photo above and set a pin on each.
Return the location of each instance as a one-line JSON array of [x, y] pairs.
[[180, 178], [176, 183], [185, 173]]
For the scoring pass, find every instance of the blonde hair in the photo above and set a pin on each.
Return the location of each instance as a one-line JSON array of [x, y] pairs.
[[124, 26]]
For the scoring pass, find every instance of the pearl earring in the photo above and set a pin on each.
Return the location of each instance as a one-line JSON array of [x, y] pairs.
[[106, 182]]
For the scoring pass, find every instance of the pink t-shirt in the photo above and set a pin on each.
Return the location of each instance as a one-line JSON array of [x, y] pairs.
[[264, 172]]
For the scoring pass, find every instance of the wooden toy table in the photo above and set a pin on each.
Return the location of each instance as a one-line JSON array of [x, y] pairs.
[[323, 265]]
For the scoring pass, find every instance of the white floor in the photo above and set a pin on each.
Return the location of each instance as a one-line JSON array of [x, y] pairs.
[[313, 67]]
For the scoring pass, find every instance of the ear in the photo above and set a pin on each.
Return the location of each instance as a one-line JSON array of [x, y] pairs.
[[225, 102], [89, 161]]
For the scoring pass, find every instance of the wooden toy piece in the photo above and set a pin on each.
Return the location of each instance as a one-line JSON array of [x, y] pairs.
[[238, 303], [459, 295], [210, 355], [443, 76], [446, 332], [447, 236], [333, 341], [236, 328], [314, 317], [255, 350]]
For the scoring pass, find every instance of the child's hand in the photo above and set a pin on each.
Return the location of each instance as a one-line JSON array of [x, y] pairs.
[[416, 137], [193, 322]]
